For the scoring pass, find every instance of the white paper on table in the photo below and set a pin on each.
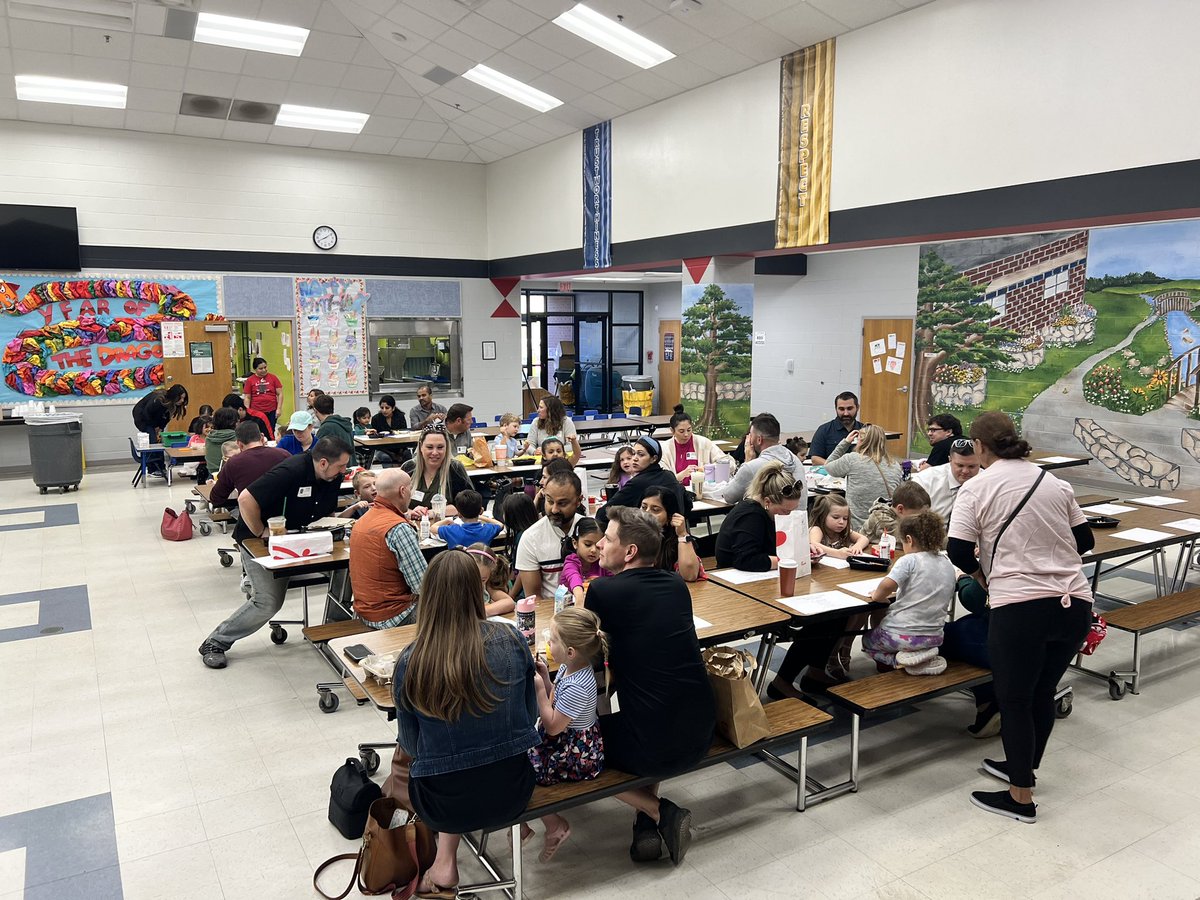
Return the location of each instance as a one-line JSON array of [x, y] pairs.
[[1185, 525], [738, 576], [877, 365], [901, 348], [1143, 535], [1057, 459], [833, 562], [820, 602], [879, 347], [862, 588], [1155, 500], [894, 365], [892, 341], [268, 562], [699, 622], [1107, 509]]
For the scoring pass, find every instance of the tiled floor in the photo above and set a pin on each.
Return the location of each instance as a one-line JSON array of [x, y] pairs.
[[195, 783]]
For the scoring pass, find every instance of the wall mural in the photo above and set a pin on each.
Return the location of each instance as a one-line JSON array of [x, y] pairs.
[[1090, 340], [714, 357]]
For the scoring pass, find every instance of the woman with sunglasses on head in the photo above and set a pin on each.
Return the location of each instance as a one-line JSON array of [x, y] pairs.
[[870, 473], [648, 471], [942, 430], [434, 470]]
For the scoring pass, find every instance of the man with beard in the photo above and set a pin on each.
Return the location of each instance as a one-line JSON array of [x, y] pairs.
[[836, 430], [543, 545]]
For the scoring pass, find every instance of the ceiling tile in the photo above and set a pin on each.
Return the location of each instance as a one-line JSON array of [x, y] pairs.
[[511, 16], [561, 41], [370, 143], [149, 19], [759, 43], [151, 100], [385, 126], [216, 59], [57, 113], [419, 149], [581, 76], [447, 58], [651, 84], [368, 56], [97, 117], [560, 88], [409, 21], [320, 71], [548, 9], [356, 14], [219, 84], [246, 131], [488, 31], [399, 107], [716, 19], [270, 65], [724, 60], [633, 13], [804, 25], [461, 43], [496, 116], [3, 32], [168, 78], [356, 101], [571, 115], [684, 73], [8, 109], [675, 34], [108, 45], [443, 10], [608, 64], [198, 126], [310, 95], [290, 137], [329, 140], [246, 8], [516, 68], [424, 131], [536, 54], [167, 51], [89, 68], [449, 152], [138, 120], [433, 111], [360, 78], [39, 35], [623, 96], [301, 13], [33, 62], [264, 90], [331, 47], [857, 13], [330, 19], [599, 108]]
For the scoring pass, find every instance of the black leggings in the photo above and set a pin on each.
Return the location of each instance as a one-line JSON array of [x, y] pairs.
[[811, 647], [1031, 644]]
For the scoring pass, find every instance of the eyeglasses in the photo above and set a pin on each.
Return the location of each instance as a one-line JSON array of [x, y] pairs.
[[438, 427], [935, 428], [963, 446]]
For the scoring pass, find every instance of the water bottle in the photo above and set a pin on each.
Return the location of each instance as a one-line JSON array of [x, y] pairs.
[[526, 619], [562, 599], [424, 533]]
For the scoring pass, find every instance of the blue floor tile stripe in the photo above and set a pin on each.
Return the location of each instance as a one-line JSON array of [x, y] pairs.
[[60, 611], [59, 514], [70, 849]]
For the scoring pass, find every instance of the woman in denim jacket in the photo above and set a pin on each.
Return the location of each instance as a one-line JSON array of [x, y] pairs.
[[466, 708]]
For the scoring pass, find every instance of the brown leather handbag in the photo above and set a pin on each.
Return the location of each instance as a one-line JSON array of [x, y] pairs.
[[391, 859]]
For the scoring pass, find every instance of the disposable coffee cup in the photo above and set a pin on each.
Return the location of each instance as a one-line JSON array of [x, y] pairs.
[[787, 577], [698, 483], [277, 525], [610, 490]]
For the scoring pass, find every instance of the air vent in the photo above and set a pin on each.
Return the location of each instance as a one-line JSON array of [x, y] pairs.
[[176, 4], [180, 24], [253, 111], [207, 107], [438, 75], [109, 15]]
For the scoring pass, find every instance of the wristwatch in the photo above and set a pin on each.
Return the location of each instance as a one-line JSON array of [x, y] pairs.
[[687, 539]]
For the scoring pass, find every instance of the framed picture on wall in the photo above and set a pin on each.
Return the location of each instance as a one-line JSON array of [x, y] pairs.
[[489, 349]]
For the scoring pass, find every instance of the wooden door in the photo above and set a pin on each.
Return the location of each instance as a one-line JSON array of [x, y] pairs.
[[887, 377], [205, 369], [668, 365]]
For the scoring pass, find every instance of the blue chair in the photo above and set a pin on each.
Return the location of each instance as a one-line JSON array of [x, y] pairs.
[[496, 420], [635, 410], [619, 415], [578, 418], [142, 457], [601, 417], [592, 413], [530, 417]]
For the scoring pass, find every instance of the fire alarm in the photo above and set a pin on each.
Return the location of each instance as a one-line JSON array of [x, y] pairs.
[[649, 356]]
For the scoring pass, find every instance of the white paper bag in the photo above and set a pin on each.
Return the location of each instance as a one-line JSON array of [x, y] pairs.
[[791, 540]]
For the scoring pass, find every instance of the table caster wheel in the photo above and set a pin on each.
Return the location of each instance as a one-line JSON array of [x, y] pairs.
[[1116, 687], [370, 761], [43, 490], [278, 634], [226, 559], [205, 529], [63, 489], [190, 507], [328, 701], [1063, 708]]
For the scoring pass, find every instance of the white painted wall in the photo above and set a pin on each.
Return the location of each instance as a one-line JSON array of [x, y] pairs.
[[961, 95], [535, 200], [817, 321], [146, 190]]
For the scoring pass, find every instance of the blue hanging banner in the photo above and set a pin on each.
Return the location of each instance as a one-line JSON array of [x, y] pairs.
[[597, 196]]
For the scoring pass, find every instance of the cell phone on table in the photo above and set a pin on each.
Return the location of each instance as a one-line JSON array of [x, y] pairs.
[[356, 653]]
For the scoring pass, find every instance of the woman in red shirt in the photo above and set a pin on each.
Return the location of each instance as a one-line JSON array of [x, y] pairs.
[[262, 391]]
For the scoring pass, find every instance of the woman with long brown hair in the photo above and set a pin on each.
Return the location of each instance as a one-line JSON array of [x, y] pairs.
[[434, 470], [552, 421], [870, 473], [465, 708]]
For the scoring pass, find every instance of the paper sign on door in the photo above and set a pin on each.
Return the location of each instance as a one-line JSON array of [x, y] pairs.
[[877, 364], [878, 348], [894, 365]]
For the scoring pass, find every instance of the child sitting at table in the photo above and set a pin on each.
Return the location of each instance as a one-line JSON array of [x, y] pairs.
[[203, 411], [225, 420], [475, 527], [831, 531], [552, 448], [622, 468], [364, 489], [908, 498], [362, 422], [923, 581], [201, 426], [572, 748], [494, 571], [509, 436], [580, 567]]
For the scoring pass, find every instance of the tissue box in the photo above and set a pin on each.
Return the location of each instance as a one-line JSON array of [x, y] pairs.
[[298, 546]]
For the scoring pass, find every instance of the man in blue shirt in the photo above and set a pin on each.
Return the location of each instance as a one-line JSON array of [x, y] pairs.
[[836, 430]]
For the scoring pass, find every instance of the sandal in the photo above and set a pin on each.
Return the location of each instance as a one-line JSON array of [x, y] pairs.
[[428, 889], [553, 842]]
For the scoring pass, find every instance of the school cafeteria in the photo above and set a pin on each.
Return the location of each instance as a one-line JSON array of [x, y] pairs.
[[599, 448]]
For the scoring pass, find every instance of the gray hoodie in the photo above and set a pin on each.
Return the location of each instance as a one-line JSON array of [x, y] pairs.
[[737, 487]]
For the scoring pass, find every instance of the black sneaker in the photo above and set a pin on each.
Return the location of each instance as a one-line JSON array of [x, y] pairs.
[[214, 655], [999, 769], [647, 843], [987, 722], [675, 826], [1002, 804]]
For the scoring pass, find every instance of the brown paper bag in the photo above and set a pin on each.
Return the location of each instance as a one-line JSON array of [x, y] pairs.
[[482, 453], [740, 715]]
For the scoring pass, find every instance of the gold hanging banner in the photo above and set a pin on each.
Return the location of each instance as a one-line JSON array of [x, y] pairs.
[[805, 146]]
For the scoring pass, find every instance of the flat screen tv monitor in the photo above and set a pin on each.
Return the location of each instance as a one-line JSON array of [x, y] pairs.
[[39, 237]]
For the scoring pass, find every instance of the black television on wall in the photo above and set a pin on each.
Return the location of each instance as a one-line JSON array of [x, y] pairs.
[[39, 237]]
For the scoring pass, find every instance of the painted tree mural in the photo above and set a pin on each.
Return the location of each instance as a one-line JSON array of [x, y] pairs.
[[716, 335], [951, 328]]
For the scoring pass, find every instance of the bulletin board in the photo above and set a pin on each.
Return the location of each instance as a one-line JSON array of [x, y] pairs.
[[332, 334]]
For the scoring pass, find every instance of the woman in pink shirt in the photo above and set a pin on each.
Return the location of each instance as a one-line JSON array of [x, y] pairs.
[[1031, 534]]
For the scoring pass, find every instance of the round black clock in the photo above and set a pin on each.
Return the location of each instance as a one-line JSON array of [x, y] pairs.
[[325, 237]]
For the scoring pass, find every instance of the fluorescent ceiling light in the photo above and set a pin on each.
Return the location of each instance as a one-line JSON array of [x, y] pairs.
[[292, 116], [511, 88], [44, 89], [249, 34], [613, 37]]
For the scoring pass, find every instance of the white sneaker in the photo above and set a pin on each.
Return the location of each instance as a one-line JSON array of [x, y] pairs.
[[934, 666], [908, 658]]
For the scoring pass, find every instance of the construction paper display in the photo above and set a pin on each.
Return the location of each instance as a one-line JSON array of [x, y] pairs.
[[62, 339], [330, 323]]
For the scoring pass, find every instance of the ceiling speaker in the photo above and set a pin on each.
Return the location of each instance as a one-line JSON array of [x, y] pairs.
[[253, 111], [207, 107]]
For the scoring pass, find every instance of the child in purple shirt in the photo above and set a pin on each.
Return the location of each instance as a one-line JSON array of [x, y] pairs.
[[583, 565]]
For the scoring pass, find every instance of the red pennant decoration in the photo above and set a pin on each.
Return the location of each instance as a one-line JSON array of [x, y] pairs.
[[505, 311], [505, 285], [696, 267]]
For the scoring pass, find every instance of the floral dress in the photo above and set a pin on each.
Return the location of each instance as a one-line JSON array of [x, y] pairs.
[[577, 752]]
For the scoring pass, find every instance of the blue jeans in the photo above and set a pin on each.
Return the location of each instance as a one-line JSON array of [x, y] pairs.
[[266, 599]]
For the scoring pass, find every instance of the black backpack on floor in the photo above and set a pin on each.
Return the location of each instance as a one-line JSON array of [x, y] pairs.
[[351, 794]]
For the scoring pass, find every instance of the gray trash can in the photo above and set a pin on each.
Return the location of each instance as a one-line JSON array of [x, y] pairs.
[[637, 382], [56, 451]]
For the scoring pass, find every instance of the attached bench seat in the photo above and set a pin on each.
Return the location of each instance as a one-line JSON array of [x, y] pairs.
[[791, 722], [320, 636], [892, 690], [1144, 618]]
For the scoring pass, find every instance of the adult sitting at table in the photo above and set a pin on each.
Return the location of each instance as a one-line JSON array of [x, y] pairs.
[[677, 553], [386, 563], [299, 437], [942, 482], [762, 446], [254, 460], [836, 430], [155, 411], [225, 421], [553, 422], [426, 409], [330, 424], [870, 473], [238, 405], [458, 428], [434, 470], [1040, 602], [388, 421], [687, 451], [544, 545], [466, 713], [648, 471], [302, 488], [942, 431], [667, 715]]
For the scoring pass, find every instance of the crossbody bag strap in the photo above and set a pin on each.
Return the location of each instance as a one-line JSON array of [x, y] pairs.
[[879, 469], [357, 857], [1012, 515]]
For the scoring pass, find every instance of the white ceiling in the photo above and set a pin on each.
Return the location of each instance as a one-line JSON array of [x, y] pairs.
[[353, 61]]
